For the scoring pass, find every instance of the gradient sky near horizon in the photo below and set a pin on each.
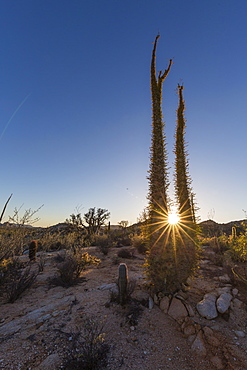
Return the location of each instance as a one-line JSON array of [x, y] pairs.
[[75, 105]]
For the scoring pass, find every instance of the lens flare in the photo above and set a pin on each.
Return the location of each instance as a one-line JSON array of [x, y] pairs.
[[173, 218], [170, 226]]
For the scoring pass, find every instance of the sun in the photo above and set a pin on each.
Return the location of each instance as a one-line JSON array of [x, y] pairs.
[[173, 218]]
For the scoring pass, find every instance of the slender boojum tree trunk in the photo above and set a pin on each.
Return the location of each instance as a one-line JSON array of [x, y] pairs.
[[4, 208], [182, 180], [158, 178]]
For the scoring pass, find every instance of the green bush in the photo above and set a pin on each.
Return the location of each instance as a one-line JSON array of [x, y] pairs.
[[238, 248]]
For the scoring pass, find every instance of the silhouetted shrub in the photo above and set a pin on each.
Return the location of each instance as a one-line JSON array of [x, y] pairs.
[[125, 253], [104, 243], [60, 257], [139, 243], [55, 246], [124, 242]]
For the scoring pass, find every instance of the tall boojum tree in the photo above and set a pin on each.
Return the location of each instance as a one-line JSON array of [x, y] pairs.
[[158, 176], [183, 191], [172, 253]]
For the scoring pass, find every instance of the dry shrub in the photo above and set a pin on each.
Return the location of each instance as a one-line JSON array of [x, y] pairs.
[[7, 244], [71, 268], [139, 243], [134, 312], [8, 268], [19, 282], [103, 242], [41, 261], [125, 253], [89, 352]]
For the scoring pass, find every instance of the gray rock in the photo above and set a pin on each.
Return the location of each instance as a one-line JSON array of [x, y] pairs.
[[150, 303], [236, 303], [224, 278], [189, 309], [35, 317], [198, 345], [239, 333], [10, 328], [189, 330], [225, 289], [164, 304], [140, 295], [107, 286], [235, 291], [207, 307], [207, 331], [156, 299], [51, 362], [217, 362], [223, 302], [177, 309]]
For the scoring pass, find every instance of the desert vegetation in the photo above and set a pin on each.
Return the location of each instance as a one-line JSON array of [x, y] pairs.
[[172, 248]]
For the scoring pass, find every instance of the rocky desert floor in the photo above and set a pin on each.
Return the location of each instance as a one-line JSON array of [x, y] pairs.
[[38, 330]]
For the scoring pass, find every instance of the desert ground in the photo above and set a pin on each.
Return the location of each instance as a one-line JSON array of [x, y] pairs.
[[40, 329]]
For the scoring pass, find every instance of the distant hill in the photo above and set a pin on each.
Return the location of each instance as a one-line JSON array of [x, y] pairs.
[[211, 228]]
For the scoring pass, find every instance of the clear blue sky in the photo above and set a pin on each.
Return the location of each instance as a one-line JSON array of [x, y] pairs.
[[75, 107]]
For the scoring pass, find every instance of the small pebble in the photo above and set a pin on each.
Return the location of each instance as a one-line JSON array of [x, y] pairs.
[[239, 333]]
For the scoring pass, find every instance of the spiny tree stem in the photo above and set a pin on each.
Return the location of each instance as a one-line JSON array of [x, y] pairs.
[[158, 177]]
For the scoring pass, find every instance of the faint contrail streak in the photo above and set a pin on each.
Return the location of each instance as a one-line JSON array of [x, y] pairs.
[[19, 106]]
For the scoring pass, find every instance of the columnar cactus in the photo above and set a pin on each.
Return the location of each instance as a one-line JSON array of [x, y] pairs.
[[234, 232], [33, 247], [122, 282]]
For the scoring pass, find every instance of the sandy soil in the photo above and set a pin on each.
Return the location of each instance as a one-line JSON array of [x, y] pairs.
[[38, 330]]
